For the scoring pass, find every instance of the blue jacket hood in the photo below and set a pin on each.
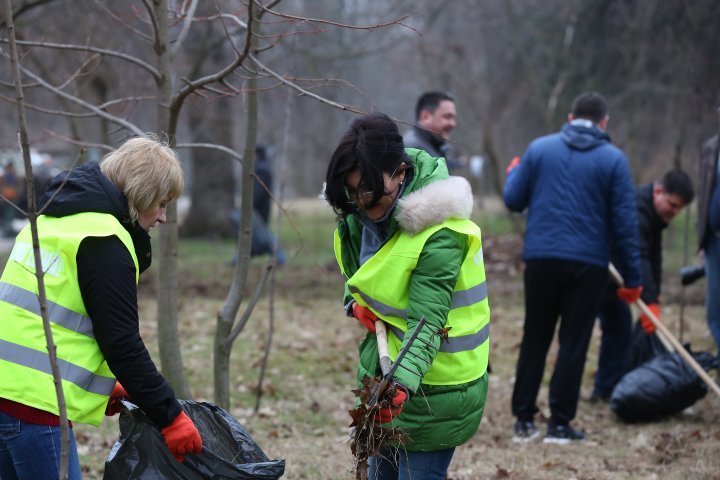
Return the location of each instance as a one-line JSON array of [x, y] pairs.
[[579, 137]]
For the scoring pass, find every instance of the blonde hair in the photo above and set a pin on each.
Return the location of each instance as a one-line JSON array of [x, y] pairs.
[[146, 170]]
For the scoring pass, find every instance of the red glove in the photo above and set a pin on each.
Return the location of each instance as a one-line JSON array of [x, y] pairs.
[[646, 323], [182, 437], [385, 415], [113, 406], [513, 164], [629, 295], [366, 316]]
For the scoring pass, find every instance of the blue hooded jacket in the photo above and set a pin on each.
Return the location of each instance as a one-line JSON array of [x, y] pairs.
[[578, 191]]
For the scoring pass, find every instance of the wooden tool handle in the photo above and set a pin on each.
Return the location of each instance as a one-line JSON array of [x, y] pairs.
[[382, 343]]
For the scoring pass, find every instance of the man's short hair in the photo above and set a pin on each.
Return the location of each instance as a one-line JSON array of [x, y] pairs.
[[429, 101], [677, 182], [590, 106]]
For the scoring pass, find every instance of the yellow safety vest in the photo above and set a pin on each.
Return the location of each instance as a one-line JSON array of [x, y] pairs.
[[25, 373], [382, 284]]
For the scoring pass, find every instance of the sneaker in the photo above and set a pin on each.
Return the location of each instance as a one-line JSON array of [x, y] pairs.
[[562, 435], [525, 431]]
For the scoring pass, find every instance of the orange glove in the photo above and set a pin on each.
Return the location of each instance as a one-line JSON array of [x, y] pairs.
[[366, 316], [113, 406], [182, 437], [385, 415], [512, 165], [646, 323], [629, 295]]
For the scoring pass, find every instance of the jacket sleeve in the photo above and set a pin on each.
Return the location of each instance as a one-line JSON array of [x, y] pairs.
[[624, 223], [648, 259], [106, 275], [516, 192], [431, 289]]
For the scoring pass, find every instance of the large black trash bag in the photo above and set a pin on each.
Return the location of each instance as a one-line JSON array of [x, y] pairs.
[[663, 386], [228, 450]]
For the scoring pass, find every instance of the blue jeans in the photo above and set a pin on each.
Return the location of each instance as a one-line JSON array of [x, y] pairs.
[[712, 296], [399, 464], [615, 344], [29, 451]]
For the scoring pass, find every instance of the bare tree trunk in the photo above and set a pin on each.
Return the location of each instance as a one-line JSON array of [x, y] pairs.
[[168, 341], [226, 316], [32, 215]]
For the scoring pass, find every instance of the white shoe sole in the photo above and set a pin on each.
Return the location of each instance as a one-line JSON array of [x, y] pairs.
[[560, 441]]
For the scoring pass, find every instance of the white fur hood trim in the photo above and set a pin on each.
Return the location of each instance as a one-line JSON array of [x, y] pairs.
[[435, 203]]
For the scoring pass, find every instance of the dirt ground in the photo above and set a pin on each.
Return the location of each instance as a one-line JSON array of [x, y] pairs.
[[307, 392]]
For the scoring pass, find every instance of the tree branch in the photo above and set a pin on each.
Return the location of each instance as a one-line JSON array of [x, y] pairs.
[[88, 106], [75, 114], [85, 48], [213, 146], [185, 29], [398, 21], [302, 91]]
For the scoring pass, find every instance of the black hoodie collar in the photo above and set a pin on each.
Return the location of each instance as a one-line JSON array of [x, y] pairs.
[[86, 189]]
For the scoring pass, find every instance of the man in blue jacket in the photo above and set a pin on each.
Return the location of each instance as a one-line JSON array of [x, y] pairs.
[[579, 195]]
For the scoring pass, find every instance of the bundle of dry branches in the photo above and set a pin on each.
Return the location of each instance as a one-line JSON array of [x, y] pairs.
[[368, 436]]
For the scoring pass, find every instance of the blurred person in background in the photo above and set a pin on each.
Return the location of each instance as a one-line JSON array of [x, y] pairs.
[[657, 204], [408, 249], [577, 189], [95, 242], [10, 187], [708, 229]]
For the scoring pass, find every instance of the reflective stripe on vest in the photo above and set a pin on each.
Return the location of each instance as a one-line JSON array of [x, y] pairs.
[[382, 284], [25, 374], [461, 299], [36, 360], [57, 314]]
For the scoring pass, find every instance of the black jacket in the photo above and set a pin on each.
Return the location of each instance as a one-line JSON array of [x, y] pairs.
[[650, 227], [106, 275]]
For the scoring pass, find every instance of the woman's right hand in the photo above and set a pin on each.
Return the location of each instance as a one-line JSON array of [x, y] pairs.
[[365, 316], [182, 437]]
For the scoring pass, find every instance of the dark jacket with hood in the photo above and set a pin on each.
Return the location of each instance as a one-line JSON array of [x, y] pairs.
[[106, 275], [650, 229], [578, 191]]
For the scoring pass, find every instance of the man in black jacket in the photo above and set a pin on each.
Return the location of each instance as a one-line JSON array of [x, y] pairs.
[[435, 118], [657, 204]]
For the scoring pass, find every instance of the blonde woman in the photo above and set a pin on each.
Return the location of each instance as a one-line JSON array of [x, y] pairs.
[[95, 242]]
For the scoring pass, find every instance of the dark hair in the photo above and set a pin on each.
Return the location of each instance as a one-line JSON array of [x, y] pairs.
[[260, 153], [373, 146], [429, 101], [590, 106], [677, 182]]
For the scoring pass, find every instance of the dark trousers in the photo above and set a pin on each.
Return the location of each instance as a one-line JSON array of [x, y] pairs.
[[615, 343], [571, 291]]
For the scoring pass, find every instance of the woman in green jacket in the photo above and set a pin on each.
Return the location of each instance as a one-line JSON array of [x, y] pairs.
[[409, 251]]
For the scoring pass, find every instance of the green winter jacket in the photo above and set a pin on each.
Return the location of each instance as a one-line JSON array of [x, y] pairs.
[[437, 416]]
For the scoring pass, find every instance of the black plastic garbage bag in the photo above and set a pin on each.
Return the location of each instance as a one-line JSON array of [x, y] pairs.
[[660, 387], [644, 347], [228, 450]]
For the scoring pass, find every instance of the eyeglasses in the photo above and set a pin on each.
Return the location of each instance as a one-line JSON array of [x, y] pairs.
[[362, 197], [358, 197]]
